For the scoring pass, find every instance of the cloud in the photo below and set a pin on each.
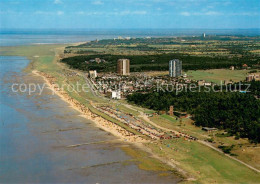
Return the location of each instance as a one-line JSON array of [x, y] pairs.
[[80, 13], [97, 2], [215, 13], [185, 13], [49, 13], [89, 13], [246, 14], [11, 12], [41, 12], [132, 13], [143, 12], [57, 2], [209, 13], [227, 3], [118, 13], [14, 2], [60, 12]]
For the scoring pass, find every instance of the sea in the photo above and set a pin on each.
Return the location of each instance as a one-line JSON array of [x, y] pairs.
[[12, 37], [37, 131]]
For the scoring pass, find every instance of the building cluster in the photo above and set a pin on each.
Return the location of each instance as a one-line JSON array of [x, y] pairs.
[[120, 86], [123, 38], [129, 38]]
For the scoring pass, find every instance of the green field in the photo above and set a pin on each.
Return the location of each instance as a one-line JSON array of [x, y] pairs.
[[218, 75], [204, 163]]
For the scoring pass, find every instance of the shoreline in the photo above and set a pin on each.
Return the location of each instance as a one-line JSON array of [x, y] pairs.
[[48, 63], [108, 126], [102, 123]]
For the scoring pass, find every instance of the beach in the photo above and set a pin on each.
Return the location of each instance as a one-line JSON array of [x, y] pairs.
[[47, 140], [102, 123], [121, 133]]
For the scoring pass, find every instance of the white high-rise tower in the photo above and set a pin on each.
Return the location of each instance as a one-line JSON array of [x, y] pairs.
[[175, 67]]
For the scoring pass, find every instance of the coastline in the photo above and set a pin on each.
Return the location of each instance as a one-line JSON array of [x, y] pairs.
[[102, 123], [108, 126], [181, 154]]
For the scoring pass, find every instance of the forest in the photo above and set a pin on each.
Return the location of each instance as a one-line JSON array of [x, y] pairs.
[[237, 113], [159, 62]]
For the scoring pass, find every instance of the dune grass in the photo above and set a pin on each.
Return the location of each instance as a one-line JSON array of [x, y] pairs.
[[205, 164]]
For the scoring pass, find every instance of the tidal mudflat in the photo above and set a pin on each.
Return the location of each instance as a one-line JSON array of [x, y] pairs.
[[42, 139]]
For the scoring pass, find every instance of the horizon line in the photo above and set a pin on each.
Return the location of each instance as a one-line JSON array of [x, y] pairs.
[[128, 28]]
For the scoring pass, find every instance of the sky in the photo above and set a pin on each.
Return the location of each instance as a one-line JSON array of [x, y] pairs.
[[130, 14]]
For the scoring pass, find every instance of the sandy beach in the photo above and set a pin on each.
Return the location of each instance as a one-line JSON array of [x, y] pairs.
[[102, 123], [121, 133]]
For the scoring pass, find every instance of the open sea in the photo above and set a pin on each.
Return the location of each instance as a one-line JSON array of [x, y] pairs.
[[29, 36]]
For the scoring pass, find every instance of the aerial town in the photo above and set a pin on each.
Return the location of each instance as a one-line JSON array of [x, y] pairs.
[[130, 91], [119, 84]]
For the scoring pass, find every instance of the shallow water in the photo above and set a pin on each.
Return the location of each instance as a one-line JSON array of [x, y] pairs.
[[35, 131]]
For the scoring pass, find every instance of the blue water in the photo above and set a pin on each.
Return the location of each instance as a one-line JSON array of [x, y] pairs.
[[23, 36]]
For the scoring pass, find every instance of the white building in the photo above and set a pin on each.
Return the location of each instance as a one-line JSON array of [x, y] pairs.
[[175, 67], [116, 95], [93, 74]]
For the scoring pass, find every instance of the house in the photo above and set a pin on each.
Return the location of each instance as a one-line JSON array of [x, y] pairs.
[[207, 84], [226, 82], [201, 82], [244, 66], [209, 129], [93, 74], [98, 60], [116, 95], [253, 76]]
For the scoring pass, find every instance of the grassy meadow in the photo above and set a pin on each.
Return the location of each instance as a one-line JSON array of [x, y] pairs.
[[218, 75]]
